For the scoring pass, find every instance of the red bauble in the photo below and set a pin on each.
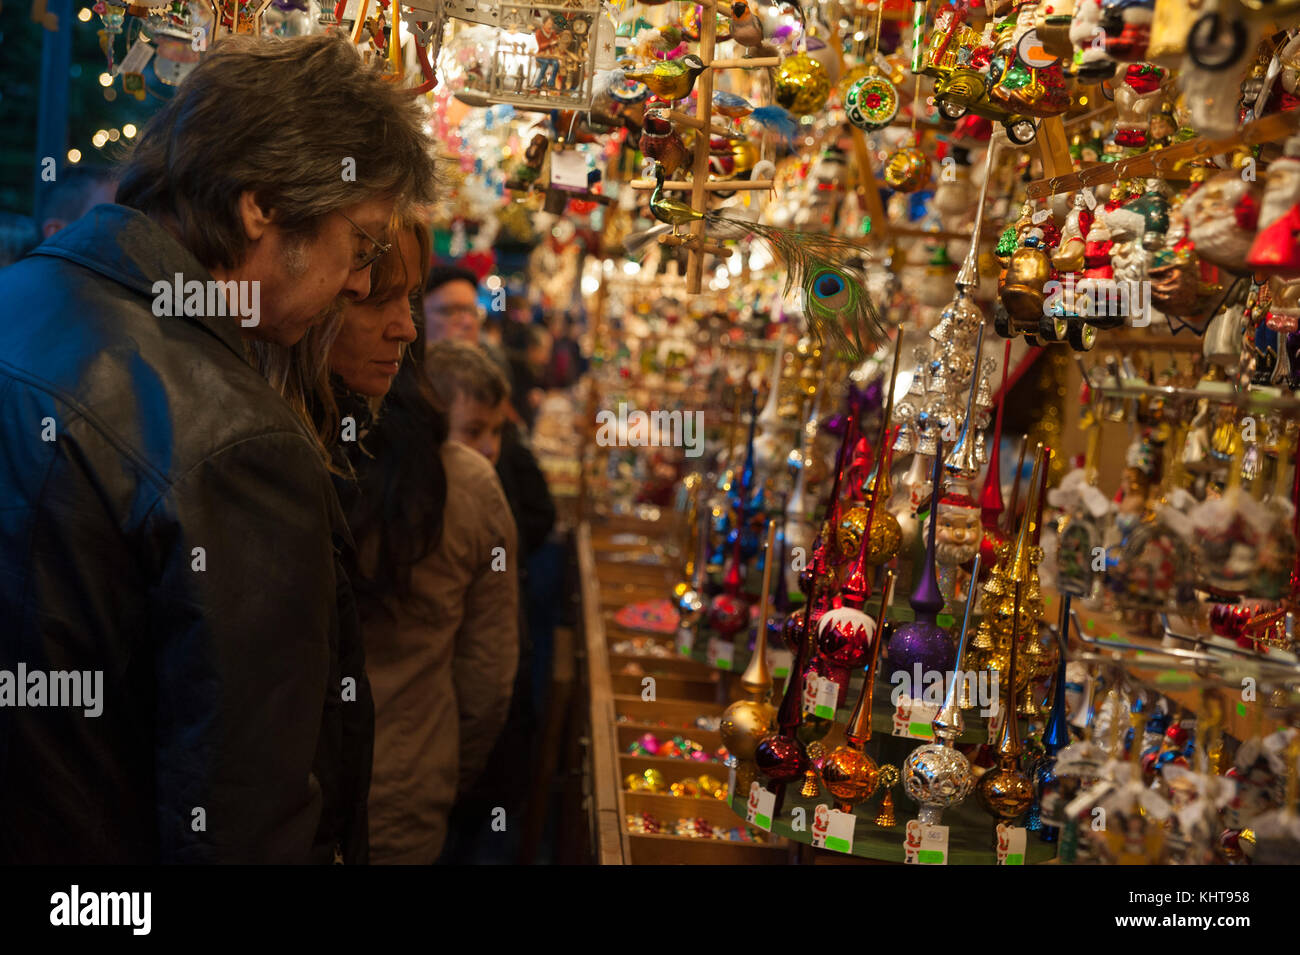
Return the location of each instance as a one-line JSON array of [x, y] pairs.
[[781, 759]]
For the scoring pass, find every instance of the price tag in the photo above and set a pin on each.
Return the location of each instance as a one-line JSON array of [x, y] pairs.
[[1089, 198], [720, 653], [811, 684], [912, 719], [569, 170], [1039, 217], [1011, 846], [685, 641], [761, 807], [828, 698], [731, 784], [137, 58], [837, 834], [780, 662], [926, 845]]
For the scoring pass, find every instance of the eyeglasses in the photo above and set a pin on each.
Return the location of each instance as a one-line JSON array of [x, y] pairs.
[[366, 259]]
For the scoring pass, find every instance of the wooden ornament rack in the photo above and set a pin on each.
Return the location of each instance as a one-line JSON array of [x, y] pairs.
[[1059, 176], [695, 241]]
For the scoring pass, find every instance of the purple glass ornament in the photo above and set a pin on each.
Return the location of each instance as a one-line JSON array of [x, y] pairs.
[[923, 642]]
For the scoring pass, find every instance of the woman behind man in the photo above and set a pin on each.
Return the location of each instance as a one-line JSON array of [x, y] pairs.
[[434, 566]]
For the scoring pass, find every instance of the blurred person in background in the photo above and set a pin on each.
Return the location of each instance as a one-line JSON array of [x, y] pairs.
[[174, 527], [528, 375], [477, 396], [76, 191], [436, 594], [451, 308], [18, 236], [567, 363]]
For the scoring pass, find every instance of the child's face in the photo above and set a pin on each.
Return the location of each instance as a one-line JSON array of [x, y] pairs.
[[473, 423]]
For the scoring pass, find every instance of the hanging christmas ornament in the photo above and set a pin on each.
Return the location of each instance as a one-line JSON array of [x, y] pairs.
[[908, 169], [871, 101], [801, 84]]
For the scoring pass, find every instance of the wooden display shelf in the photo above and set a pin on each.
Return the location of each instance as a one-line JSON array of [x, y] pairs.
[[678, 688], [679, 714], [629, 733], [674, 770], [659, 667], [664, 849]]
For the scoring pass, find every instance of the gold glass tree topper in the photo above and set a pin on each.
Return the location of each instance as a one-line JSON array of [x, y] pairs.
[[1006, 791], [746, 721]]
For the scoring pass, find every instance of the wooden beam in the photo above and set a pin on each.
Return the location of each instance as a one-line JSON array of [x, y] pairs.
[[700, 173], [746, 63], [694, 122], [1159, 163], [1054, 148], [712, 185], [868, 193]]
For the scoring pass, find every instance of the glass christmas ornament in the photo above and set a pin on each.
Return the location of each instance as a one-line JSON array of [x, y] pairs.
[[923, 642], [1006, 791], [747, 721], [848, 772], [937, 775], [801, 84], [908, 169], [871, 103]]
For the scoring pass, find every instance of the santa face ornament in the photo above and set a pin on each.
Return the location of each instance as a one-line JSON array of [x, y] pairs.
[[1221, 218]]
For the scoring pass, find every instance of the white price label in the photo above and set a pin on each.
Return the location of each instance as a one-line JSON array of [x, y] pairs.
[[685, 641], [568, 170], [1089, 198], [811, 683], [720, 653], [828, 699], [833, 829], [1011, 845], [137, 58], [761, 807], [731, 783], [912, 719], [780, 662], [925, 845]]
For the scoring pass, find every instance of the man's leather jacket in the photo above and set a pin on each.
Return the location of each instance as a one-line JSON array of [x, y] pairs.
[[165, 520]]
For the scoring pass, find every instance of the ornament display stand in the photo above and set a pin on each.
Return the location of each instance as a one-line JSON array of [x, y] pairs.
[[620, 713], [695, 241]]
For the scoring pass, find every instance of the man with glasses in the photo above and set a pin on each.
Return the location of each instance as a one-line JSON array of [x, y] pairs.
[[169, 529], [451, 308]]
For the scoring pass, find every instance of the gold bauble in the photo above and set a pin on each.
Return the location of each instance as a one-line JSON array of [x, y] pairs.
[[850, 775], [801, 84], [745, 153], [1005, 793], [907, 170], [744, 724]]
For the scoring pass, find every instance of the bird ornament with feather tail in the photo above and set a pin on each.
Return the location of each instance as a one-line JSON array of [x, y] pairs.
[[827, 268]]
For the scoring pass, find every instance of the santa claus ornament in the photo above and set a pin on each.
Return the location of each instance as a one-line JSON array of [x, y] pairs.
[[1275, 249], [1221, 217]]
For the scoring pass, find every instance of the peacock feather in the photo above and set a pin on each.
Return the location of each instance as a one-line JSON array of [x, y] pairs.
[[840, 313]]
